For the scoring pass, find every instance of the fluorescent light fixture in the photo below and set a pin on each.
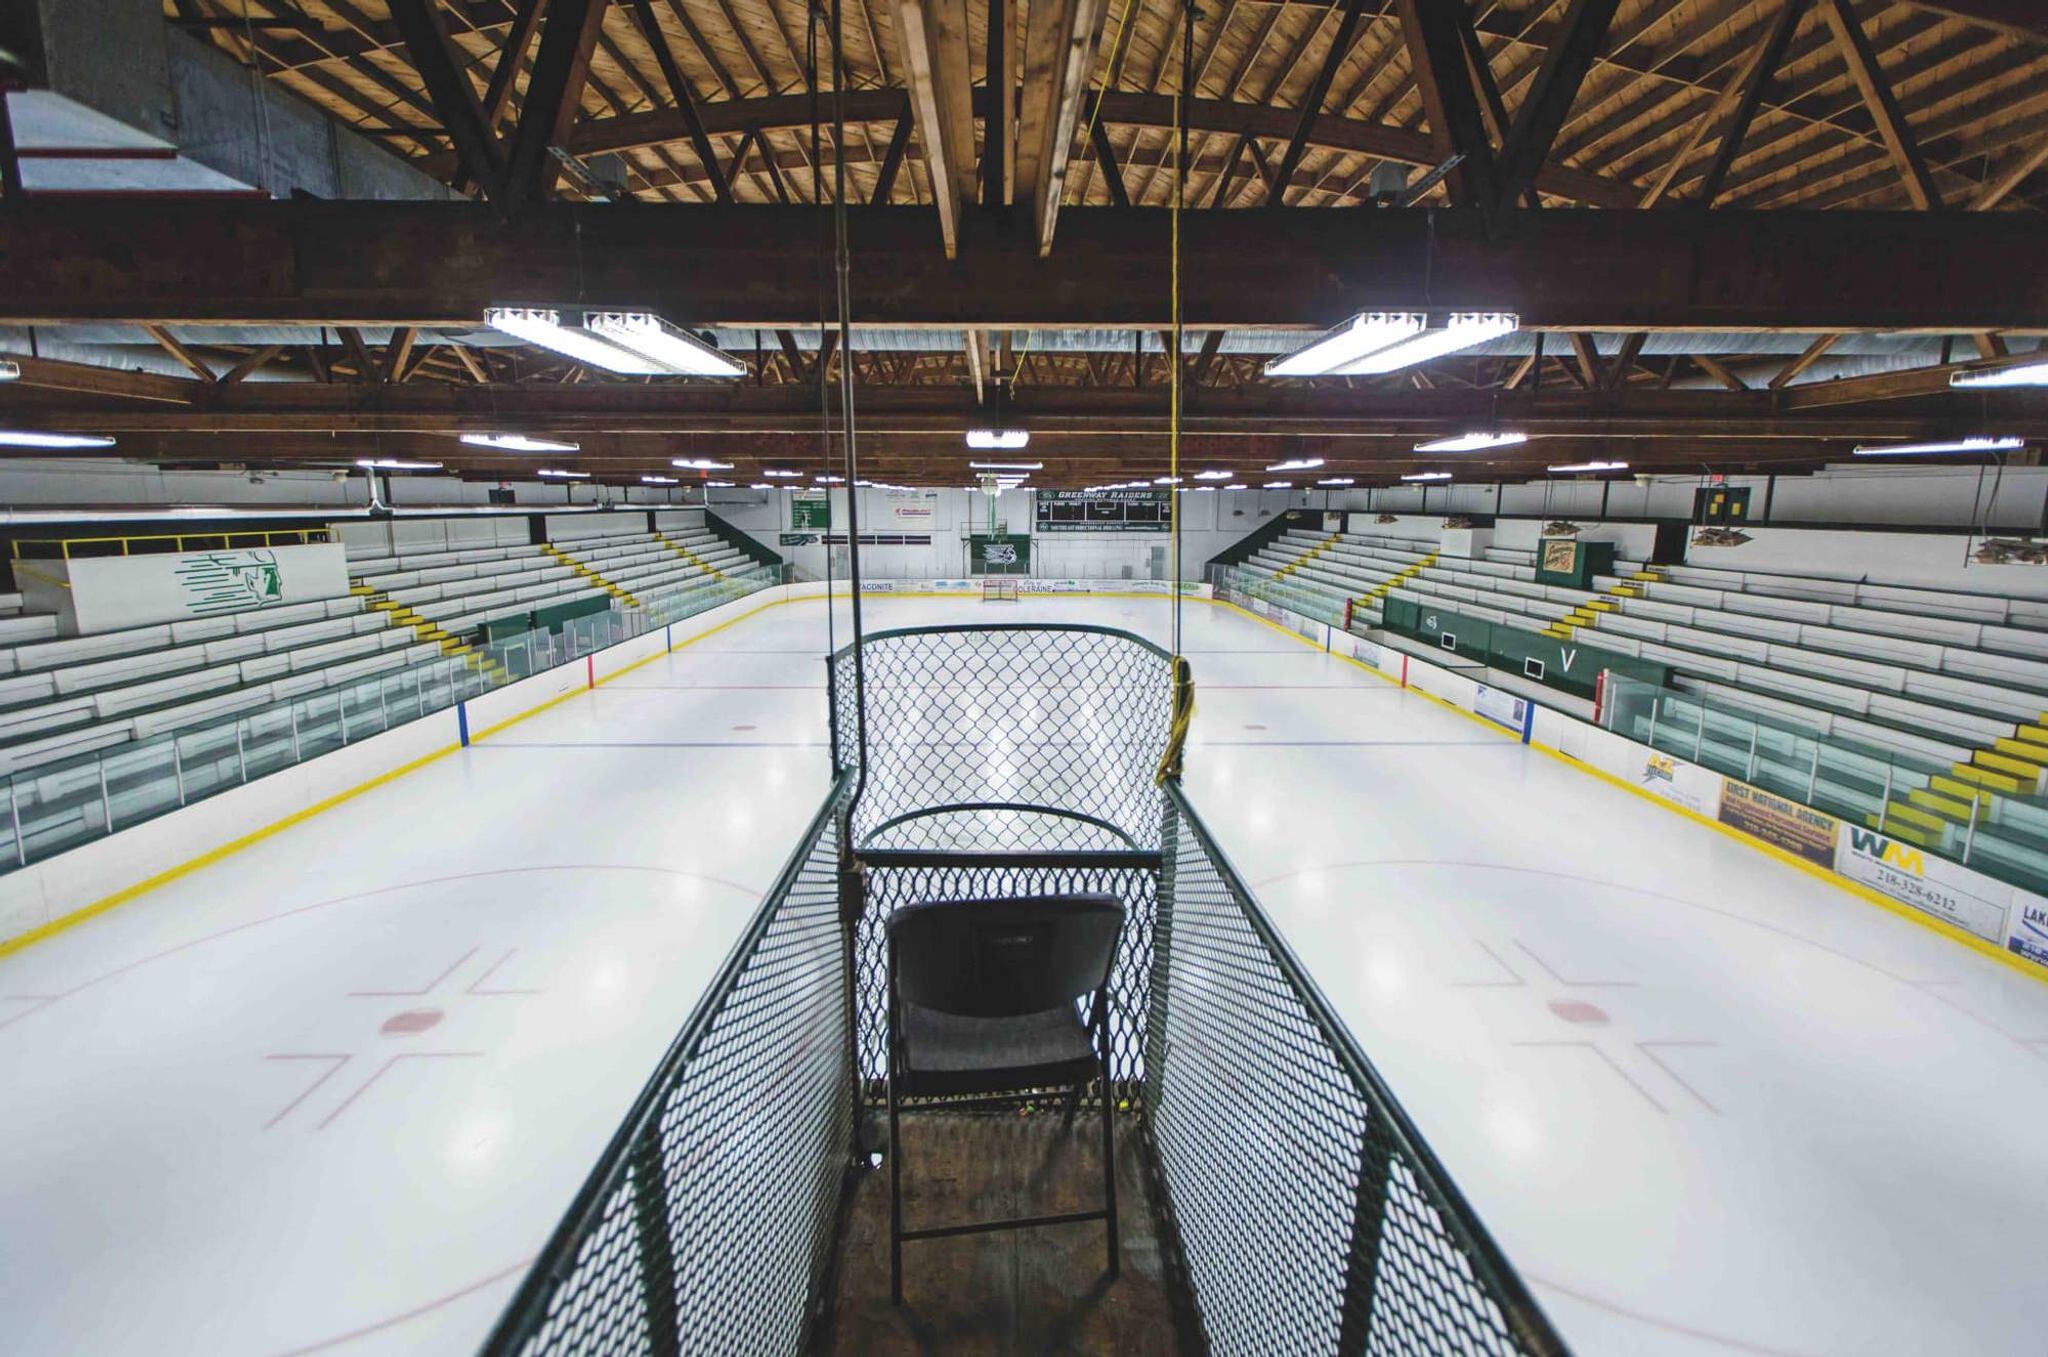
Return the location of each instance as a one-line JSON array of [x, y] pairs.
[[831, 480], [699, 464], [1166, 480], [781, 475], [1427, 476], [1279, 485], [1385, 341], [718, 485], [633, 343], [658, 480], [1338, 480], [1006, 466], [24, 438], [1235, 485], [760, 485], [1298, 464], [1348, 343], [395, 464], [518, 442], [10, 371], [998, 440], [1473, 442], [1462, 331], [1591, 466], [1956, 445], [657, 341], [1212, 475], [557, 474], [2027, 374]]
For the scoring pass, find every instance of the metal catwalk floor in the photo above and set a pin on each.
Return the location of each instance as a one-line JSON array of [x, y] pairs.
[[331, 1093], [1008, 1294]]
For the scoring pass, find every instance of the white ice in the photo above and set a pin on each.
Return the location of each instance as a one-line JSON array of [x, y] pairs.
[[333, 1092]]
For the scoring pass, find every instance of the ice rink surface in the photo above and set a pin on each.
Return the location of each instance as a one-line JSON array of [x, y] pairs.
[[333, 1092]]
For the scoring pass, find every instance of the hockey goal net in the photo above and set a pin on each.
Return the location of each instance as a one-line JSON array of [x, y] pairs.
[[998, 589]]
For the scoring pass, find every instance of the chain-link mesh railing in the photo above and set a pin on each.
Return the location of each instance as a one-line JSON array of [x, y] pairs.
[[1310, 1215], [708, 1226], [1005, 739]]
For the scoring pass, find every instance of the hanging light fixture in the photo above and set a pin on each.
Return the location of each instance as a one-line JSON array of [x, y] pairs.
[[1427, 476], [519, 442], [631, 343], [1386, 341], [1957, 446], [2026, 374], [1473, 442], [1591, 466]]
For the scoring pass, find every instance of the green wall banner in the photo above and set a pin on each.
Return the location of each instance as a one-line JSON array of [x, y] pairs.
[[988, 555], [810, 510]]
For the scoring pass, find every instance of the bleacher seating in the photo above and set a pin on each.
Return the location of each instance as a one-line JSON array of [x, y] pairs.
[[1951, 688], [655, 570]]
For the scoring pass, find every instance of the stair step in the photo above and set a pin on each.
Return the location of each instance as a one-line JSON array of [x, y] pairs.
[[1957, 790], [1985, 777], [1903, 815], [2038, 734], [2032, 751], [1914, 834], [1956, 811], [2028, 773]]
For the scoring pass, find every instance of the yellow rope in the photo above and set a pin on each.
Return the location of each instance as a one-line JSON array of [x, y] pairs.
[[1123, 30]]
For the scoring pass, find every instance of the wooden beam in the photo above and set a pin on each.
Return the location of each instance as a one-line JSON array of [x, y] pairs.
[[1541, 118], [1059, 53], [685, 101], [118, 383], [1520, 374], [1430, 28], [1589, 359], [1112, 173], [933, 37], [1870, 81], [1988, 345], [511, 58], [441, 264], [396, 352], [1211, 342], [2020, 18], [1715, 369], [1749, 96], [1312, 99], [1812, 354], [255, 359], [454, 98], [170, 345], [1631, 348], [2011, 177], [799, 370], [553, 94], [892, 161]]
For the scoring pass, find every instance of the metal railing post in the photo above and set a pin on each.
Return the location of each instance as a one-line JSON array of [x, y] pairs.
[[1699, 734], [293, 709], [14, 814], [1749, 769], [1884, 813], [1655, 702], [383, 707], [341, 710], [106, 801], [241, 759], [178, 769], [1970, 834], [1813, 774]]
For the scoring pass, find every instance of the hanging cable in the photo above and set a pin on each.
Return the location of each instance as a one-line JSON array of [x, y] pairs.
[[1183, 673], [816, 14], [844, 268]]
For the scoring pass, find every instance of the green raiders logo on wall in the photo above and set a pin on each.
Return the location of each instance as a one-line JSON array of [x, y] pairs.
[[230, 581]]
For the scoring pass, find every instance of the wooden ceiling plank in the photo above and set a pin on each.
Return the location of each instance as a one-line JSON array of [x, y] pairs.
[[1312, 100], [170, 344], [454, 98], [933, 36], [684, 99]]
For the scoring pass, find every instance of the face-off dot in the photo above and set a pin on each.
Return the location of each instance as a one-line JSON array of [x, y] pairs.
[[411, 1021]]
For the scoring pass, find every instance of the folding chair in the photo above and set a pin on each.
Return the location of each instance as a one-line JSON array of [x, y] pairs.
[[984, 999]]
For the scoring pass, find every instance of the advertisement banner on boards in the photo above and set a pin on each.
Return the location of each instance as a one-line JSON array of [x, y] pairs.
[[2026, 927], [1781, 823], [1501, 708], [1358, 648], [1947, 890], [1684, 784]]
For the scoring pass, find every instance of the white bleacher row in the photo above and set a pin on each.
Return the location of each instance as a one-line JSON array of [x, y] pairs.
[[1815, 672], [642, 563], [62, 805], [1896, 598]]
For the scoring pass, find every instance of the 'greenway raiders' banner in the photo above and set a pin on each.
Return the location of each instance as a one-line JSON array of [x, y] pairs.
[[106, 593]]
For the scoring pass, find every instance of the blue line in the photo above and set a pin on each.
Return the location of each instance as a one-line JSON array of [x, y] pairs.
[[462, 722]]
